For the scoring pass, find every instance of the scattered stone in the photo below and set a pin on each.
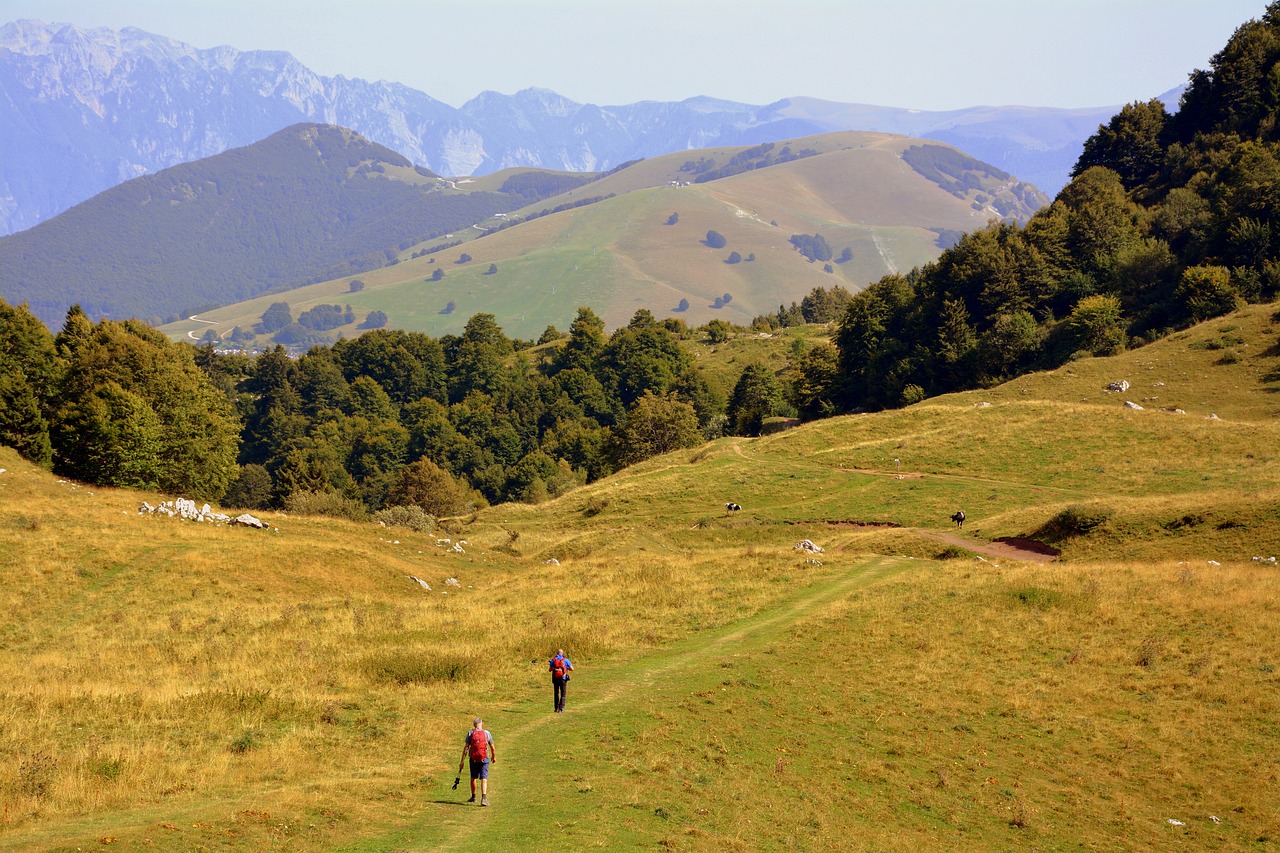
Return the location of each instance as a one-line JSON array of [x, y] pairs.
[[1271, 561], [1214, 818], [452, 582], [554, 562], [983, 405], [1131, 405], [1122, 385], [1173, 821], [1157, 385], [1213, 417], [812, 562], [1214, 563], [246, 520], [1179, 412], [420, 582], [3, 470], [184, 509], [807, 545]]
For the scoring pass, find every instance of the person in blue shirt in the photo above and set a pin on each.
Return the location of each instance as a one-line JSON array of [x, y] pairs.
[[560, 667]]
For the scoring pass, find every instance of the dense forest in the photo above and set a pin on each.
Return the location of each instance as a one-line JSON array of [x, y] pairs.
[[363, 424], [1168, 221]]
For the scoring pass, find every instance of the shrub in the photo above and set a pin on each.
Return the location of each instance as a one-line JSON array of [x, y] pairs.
[[912, 394], [1075, 520], [951, 552], [325, 503], [413, 517], [1207, 291]]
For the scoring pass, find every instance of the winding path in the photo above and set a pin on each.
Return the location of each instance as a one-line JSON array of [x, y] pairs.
[[521, 786]]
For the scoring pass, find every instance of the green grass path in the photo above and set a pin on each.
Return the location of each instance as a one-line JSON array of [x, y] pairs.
[[536, 788]]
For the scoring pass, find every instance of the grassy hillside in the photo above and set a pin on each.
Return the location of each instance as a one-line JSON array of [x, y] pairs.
[[306, 204], [186, 686], [621, 254]]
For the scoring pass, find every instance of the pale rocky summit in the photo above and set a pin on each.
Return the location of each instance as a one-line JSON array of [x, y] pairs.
[[126, 103]]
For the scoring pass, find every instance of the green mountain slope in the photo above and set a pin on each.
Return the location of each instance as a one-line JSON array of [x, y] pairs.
[[181, 685], [860, 191], [307, 203]]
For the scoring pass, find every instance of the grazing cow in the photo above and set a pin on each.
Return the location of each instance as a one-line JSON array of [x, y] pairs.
[[731, 507], [958, 518]]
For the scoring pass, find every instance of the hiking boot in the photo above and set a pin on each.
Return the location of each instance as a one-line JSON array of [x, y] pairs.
[[484, 801], [473, 799]]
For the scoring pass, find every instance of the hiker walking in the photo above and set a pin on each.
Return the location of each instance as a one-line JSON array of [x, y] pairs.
[[560, 667], [479, 748]]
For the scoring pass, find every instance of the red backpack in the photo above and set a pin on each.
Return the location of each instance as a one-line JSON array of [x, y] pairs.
[[478, 744], [557, 667]]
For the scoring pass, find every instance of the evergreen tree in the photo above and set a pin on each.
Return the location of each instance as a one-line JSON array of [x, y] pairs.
[[756, 396]]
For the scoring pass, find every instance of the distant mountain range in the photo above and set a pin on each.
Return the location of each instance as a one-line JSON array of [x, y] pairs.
[[318, 203], [309, 203], [83, 110]]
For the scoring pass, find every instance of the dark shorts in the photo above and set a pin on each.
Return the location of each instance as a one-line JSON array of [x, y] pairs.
[[480, 769]]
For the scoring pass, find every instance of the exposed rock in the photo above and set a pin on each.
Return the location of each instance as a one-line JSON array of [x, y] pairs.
[[553, 562], [128, 102], [808, 545], [188, 511], [420, 582], [1122, 385], [1131, 405]]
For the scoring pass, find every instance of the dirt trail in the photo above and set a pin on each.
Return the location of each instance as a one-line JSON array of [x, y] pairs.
[[522, 745], [1008, 548]]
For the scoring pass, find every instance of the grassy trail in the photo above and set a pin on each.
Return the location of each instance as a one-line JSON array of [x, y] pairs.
[[540, 755]]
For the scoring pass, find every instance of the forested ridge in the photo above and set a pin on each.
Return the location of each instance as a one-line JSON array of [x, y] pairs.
[[308, 203], [1168, 221]]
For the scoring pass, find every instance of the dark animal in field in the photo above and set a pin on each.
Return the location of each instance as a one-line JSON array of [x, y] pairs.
[[958, 518], [731, 507]]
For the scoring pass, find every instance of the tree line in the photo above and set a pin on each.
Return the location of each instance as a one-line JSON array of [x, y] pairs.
[[389, 418]]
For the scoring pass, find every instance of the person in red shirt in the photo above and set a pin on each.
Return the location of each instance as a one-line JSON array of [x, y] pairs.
[[560, 667]]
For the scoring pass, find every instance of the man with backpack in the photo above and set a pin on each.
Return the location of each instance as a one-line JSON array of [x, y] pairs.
[[479, 748], [560, 667]]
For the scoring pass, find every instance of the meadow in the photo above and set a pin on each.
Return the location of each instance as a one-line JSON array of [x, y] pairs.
[[623, 253], [179, 686]]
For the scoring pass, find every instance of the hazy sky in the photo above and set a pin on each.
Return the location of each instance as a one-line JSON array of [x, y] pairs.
[[925, 54]]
